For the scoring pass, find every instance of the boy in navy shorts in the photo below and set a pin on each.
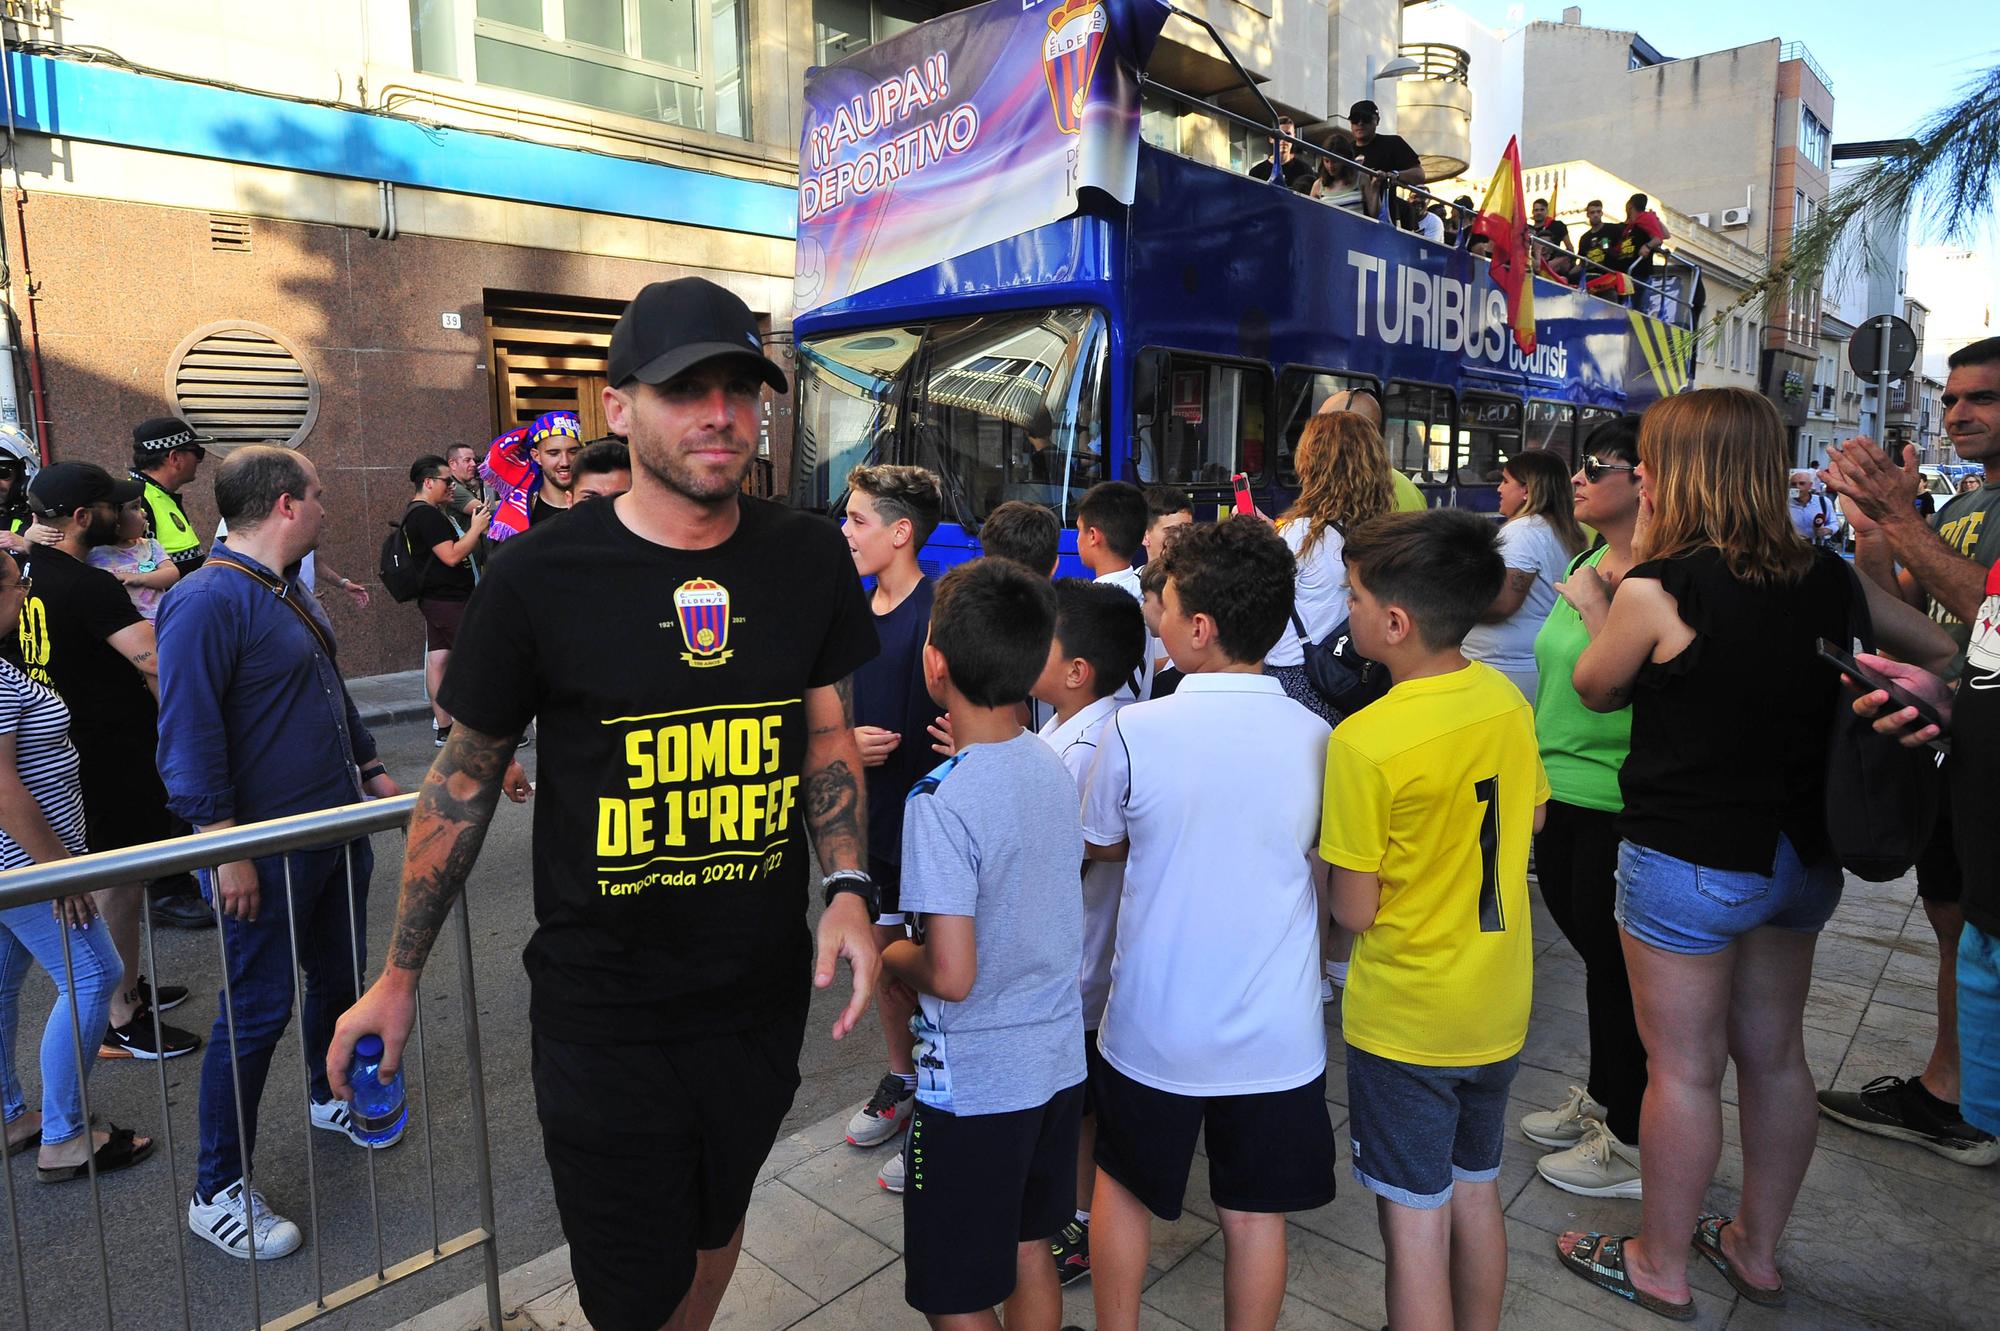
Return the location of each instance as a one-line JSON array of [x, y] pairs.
[[1213, 1022], [1431, 794], [991, 845]]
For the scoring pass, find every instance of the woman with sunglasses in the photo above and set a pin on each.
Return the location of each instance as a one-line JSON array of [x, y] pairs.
[[1537, 542], [1726, 871], [1595, 1132], [41, 819]]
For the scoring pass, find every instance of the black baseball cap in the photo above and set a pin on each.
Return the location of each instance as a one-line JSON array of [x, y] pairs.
[[671, 327], [1363, 111], [61, 488], [163, 434]]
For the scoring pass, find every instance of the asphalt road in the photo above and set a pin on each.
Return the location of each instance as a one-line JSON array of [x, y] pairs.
[[144, 1209]]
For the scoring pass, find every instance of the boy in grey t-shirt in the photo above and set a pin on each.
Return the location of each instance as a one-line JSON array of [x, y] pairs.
[[991, 844]]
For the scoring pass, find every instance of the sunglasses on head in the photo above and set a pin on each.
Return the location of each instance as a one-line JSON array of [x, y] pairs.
[[1593, 470]]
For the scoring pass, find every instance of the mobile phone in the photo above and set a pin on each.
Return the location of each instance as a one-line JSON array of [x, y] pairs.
[[1871, 682], [1244, 503]]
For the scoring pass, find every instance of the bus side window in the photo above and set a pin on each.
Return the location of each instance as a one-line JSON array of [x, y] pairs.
[[1208, 420], [1551, 425], [1301, 393], [1416, 427], [1489, 432], [1587, 420]]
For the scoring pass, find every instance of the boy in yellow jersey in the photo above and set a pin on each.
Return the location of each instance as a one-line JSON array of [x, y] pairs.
[[1432, 793]]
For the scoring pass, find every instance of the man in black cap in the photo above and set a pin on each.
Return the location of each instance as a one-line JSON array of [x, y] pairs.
[[81, 636], [166, 452], [1389, 156], [688, 650]]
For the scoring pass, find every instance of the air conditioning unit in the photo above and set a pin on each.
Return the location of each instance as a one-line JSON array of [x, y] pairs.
[[1700, 219], [1735, 217]]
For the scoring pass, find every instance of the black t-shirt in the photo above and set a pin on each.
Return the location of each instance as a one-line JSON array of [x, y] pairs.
[[670, 823], [1555, 231], [1597, 243], [540, 511], [1729, 738], [428, 527], [1388, 152], [890, 692], [1298, 172], [65, 632], [1633, 237], [1974, 769]]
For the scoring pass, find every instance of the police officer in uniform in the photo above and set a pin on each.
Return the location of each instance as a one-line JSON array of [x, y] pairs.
[[165, 456]]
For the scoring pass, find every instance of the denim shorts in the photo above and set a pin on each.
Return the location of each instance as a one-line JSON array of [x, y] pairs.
[[1979, 1028], [1418, 1130], [1676, 906]]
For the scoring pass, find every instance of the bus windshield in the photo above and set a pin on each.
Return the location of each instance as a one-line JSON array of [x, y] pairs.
[[1000, 406]]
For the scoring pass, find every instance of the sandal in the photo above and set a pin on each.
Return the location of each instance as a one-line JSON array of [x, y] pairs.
[[119, 1152], [1708, 1242], [1601, 1261]]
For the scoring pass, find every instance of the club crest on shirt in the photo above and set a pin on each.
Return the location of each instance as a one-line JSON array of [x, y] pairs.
[[703, 609]]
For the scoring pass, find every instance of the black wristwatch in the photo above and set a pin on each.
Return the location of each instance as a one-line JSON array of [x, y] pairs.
[[855, 881]]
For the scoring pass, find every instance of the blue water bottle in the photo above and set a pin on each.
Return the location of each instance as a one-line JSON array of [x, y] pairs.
[[380, 1110]]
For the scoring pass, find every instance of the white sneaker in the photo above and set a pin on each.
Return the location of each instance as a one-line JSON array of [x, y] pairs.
[[1598, 1166], [891, 1176], [223, 1223], [1336, 973], [336, 1116], [1325, 989], [1563, 1125], [886, 1113]]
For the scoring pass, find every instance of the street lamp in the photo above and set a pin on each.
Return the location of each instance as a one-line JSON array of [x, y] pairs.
[[1399, 67]]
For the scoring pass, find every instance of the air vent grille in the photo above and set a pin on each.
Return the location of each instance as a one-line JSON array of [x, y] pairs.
[[228, 235], [237, 383]]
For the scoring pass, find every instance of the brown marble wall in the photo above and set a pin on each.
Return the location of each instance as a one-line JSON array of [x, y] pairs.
[[117, 286]]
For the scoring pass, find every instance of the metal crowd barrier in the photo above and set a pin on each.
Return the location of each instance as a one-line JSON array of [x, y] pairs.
[[311, 831]]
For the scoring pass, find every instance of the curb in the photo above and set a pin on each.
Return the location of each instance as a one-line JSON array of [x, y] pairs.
[[394, 713]]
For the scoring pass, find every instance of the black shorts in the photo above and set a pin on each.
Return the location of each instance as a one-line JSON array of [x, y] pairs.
[[1939, 877], [1092, 1061], [1271, 1152], [979, 1187], [888, 876], [441, 621], [126, 807], [653, 1151]]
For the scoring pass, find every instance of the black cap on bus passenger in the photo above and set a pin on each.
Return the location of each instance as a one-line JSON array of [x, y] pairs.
[[671, 327]]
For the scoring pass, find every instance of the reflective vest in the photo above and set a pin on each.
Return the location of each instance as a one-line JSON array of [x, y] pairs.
[[168, 524]]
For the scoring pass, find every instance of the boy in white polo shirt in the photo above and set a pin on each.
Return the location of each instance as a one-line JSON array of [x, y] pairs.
[[1214, 1022], [1100, 636]]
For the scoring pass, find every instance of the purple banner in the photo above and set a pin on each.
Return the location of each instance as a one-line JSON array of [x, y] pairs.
[[963, 131]]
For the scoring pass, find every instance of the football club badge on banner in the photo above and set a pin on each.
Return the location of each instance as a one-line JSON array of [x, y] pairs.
[[1069, 57], [703, 608]]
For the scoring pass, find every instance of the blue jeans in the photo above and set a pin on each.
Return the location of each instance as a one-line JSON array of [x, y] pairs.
[[1678, 906], [332, 951], [34, 933]]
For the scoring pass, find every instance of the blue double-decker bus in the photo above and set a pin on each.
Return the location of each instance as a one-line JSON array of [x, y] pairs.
[[1177, 335]]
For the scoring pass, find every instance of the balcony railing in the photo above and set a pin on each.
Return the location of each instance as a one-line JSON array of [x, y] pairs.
[[1435, 60], [1797, 51]]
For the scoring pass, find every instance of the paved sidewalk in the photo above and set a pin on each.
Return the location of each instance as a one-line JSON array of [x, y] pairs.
[[1885, 1234], [384, 700]]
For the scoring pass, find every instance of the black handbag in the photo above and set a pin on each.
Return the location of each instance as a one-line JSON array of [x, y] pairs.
[[1881, 798], [1346, 679]]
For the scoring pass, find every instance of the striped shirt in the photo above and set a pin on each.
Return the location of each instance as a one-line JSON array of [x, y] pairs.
[[45, 759]]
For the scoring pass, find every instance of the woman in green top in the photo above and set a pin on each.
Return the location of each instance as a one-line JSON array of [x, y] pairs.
[[1576, 854]]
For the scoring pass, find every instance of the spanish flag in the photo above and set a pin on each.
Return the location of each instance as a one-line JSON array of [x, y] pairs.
[[1503, 220]]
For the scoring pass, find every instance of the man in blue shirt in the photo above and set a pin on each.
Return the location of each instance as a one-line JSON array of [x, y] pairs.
[[255, 723]]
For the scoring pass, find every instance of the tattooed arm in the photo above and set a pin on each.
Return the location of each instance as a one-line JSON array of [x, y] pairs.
[[836, 812], [837, 817], [454, 806]]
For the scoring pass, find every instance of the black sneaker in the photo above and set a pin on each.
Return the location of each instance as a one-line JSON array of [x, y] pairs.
[[439, 734], [166, 998], [135, 1040], [1071, 1250], [1900, 1108], [182, 913]]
